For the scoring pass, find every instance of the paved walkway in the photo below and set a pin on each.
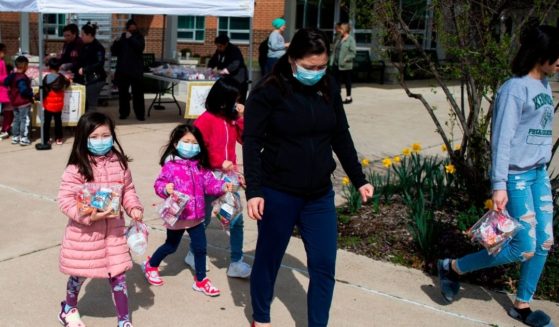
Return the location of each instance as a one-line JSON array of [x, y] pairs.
[[368, 293]]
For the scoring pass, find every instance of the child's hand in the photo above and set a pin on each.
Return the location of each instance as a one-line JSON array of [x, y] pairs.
[[240, 108], [227, 165], [100, 215], [137, 214], [242, 180], [228, 187], [170, 188]]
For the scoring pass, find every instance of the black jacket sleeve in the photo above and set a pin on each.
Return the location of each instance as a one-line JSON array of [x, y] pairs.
[[213, 60], [343, 146], [98, 63], [257, 114], [236, 60]]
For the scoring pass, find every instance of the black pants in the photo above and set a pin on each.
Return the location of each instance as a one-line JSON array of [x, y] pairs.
[[124, 83], [57, 125], [343, 76]]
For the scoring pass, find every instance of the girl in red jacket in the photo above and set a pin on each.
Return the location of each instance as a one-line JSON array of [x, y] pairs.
[[222, 127], [94, 245], [54, 85]]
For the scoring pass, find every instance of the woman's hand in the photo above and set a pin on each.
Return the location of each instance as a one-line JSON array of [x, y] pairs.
[[366, 192], [255, 208], [100, 215], [500, 199], [137, 214], [170, 188]]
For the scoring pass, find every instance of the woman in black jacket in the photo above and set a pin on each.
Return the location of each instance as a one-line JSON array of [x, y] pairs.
[[293, 120], [90, 70]]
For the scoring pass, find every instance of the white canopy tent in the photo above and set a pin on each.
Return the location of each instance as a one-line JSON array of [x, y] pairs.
[[225, 8]]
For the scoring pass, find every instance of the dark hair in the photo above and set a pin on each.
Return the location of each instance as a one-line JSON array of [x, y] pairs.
[[130, 22], [176, 135], [307, 41], [54, 63], [221, 39], [222, 98], [89, 29], [21, 61], [80, 155], [538, 45], [72, 28], [2, 47]]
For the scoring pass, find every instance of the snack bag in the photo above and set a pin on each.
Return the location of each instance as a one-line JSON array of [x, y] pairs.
[[227, 208], [101, 197], [494, 230], [170, 209], [116, 191], [137, 237]]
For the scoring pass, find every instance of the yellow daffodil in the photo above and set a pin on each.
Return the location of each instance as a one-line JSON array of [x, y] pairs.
[[443, 148], [387, 162], [345, 181], [488, 204], [406, 152], [450, 168], [365, 162], [396, 159], [416, 147]]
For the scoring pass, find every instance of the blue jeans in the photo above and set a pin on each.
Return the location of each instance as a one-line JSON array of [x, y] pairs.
[[531, 203], [236, 230], [20, 126], [316, 220], [197, 245]]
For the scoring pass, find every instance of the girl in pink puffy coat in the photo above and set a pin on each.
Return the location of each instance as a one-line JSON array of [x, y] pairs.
[[7, 110], [185, 169], [94, 244]]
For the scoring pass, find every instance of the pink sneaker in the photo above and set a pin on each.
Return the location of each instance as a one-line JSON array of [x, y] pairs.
[[205, 286], [70, 318], [152, 274]]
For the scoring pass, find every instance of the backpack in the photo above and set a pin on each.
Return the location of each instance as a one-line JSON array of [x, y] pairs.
[[263, 53]]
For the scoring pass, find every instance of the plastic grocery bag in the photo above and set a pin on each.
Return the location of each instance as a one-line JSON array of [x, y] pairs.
[[137, 237], [170, 209], [494, 230], [228, 208]]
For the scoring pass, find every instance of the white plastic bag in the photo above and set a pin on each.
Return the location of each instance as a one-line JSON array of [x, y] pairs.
[[137, 237], [228, 208]]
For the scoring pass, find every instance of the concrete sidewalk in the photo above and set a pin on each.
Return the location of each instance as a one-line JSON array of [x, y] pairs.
[[368, 293]]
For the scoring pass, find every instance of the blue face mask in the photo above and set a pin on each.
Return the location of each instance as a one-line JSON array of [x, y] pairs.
[[309, 77], [100, 147], [188, 150]]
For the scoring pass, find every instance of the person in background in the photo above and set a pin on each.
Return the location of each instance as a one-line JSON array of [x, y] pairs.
[[294, 119], [276, 44], [129, 50], [54, 85], [21, 98], [72, 46], [5, 106], [342, 59], [90, 70], [521, 142], [228, 60]]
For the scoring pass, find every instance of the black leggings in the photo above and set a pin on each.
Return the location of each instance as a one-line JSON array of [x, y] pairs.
[[343, 76]]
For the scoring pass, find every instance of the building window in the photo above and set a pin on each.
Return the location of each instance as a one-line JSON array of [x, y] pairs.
[[54, 24], [191, 28], [237, 28]]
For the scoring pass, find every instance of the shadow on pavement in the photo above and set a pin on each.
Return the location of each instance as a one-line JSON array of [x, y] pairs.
[[97, 299]]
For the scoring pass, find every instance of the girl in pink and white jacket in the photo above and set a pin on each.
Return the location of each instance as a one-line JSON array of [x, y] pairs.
[[94, 244], [184, 163], [222, 126], [7, 110]]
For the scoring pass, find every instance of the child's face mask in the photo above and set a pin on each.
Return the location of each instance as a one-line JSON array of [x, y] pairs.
[[100, 147], [188, 150]]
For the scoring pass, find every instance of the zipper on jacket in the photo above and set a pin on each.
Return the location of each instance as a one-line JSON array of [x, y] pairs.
[[226, 140]]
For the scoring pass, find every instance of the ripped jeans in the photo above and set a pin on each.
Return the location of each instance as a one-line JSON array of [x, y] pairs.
[[530, 201]]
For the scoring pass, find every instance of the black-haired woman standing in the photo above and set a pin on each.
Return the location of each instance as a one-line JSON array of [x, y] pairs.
[[90, 70]]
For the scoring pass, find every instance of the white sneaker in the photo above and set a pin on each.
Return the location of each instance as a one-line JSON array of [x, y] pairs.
[[189, 260], [239, 269], [4, 135]]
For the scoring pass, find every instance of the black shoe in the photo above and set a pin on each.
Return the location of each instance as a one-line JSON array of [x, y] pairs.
[[141, 118], [122, 117], [347, 101], [448, 280]]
